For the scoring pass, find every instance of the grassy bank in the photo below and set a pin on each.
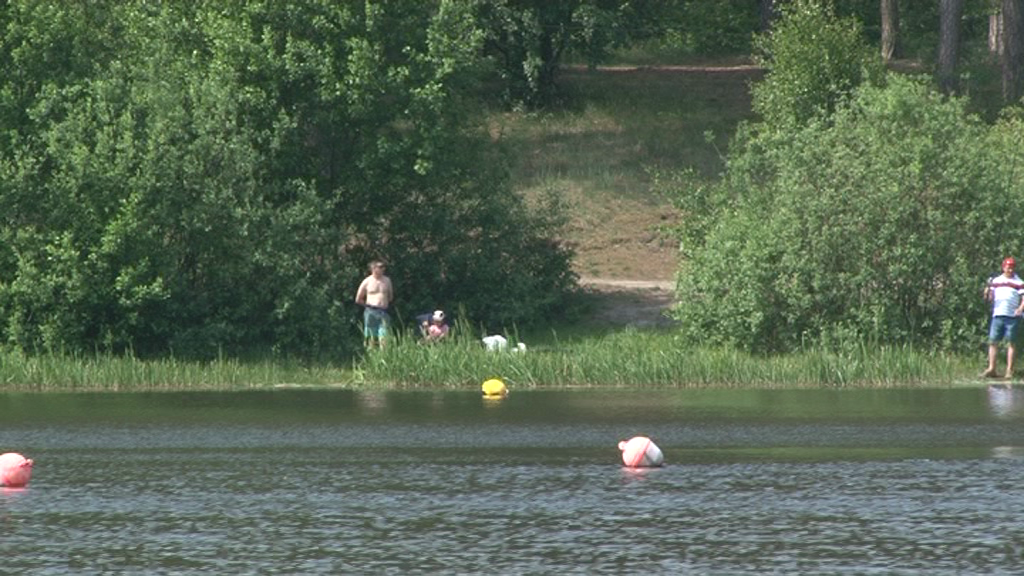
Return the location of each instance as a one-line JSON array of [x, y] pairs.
[[633, 358], [104, 372], [628, 358]]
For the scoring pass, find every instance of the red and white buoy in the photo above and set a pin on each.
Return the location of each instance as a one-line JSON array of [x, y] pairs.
[[15, 470], [641, 452]]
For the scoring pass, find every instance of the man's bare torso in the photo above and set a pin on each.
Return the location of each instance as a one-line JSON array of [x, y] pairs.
[[377, 291]]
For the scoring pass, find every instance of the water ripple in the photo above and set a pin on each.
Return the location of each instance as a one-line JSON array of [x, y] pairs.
[[463, 492]]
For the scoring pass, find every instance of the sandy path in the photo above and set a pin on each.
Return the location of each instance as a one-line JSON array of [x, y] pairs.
[[641, 303], [609, 283]]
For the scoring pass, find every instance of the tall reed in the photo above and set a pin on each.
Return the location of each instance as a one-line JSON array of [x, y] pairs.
[[632, 358], [108, 372]]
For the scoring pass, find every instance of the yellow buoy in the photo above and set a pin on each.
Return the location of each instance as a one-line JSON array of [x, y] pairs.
[[494, 388]]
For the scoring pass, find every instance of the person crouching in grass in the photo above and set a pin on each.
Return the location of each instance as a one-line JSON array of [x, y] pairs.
[[437, 329]]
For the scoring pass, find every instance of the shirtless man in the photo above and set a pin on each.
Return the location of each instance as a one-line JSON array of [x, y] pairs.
[[374, 295]]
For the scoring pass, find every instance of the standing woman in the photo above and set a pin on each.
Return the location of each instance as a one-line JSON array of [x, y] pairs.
[[375, 295]]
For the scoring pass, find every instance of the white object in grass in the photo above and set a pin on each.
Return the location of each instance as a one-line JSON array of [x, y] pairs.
[[495, 343]]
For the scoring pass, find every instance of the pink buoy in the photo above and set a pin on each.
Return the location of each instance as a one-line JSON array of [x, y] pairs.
[[15, 470], [641, 452]]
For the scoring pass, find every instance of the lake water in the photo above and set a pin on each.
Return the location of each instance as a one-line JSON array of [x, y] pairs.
[[343, 482]]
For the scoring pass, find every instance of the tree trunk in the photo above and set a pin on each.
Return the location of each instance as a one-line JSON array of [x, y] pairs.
[[890, 30], [995, 30], [767, 10], [1013, 50], [950, 12]]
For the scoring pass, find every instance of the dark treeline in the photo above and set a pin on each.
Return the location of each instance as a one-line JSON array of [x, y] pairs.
[[971, 47]]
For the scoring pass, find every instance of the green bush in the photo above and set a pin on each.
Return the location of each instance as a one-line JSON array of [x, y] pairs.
[[877, 224], [813, 62], [204, 178]]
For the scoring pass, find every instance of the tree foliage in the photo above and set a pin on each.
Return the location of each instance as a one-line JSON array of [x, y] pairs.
[[813, 60], [879, 223], [860, 208], [199, 177]]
